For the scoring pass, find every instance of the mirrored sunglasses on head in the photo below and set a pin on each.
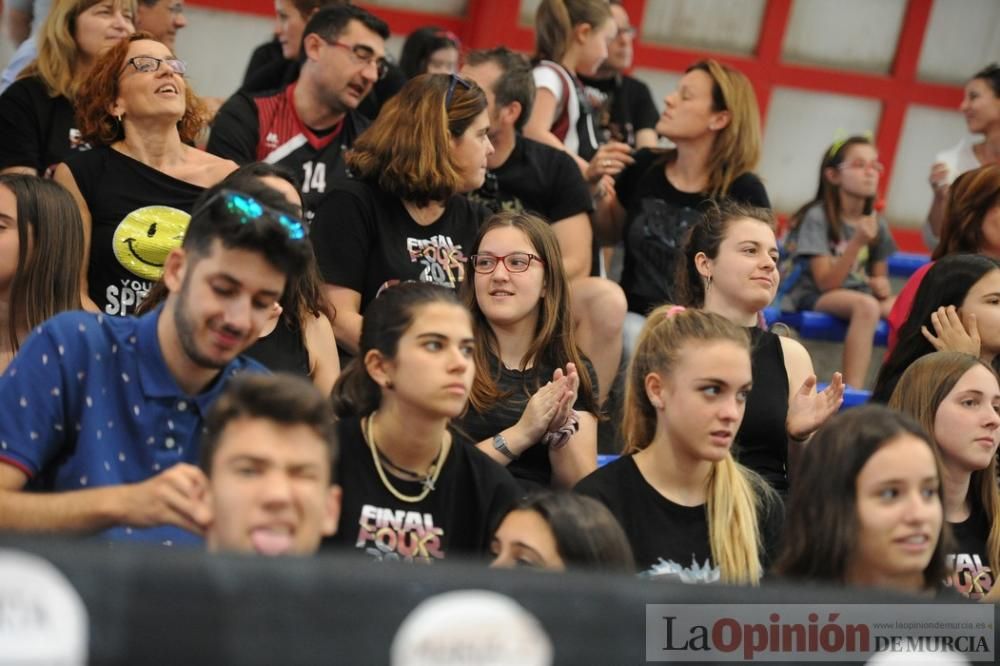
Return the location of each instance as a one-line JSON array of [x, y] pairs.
[[246, 209]]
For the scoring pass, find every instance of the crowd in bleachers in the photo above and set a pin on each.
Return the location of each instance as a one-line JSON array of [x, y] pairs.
[[363, 307]]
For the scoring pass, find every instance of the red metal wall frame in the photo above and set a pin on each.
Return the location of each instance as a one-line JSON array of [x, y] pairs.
[[492, 22]]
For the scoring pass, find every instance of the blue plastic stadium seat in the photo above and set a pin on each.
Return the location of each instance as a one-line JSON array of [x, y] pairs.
[[821, 326], [852, 397], [905, 264], [771, 315]]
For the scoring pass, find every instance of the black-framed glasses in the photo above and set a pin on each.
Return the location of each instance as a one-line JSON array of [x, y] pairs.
[[455, 80], [246, 209], [515, 262], [363, 55], [147, 64]]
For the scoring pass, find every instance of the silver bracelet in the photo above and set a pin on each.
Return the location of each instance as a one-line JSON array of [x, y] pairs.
[[500, 444]]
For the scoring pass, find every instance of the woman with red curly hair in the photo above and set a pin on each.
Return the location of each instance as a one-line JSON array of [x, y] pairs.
[[136, 188]]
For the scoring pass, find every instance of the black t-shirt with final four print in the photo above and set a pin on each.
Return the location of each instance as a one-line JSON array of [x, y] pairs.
[[471, 496], [366, 240]]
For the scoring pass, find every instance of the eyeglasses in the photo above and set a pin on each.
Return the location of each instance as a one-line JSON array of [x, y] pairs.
[[515, 262], [246, 209], [875, 165], [455, 79], [362, 55], [626, 32], [176, 8], [147, 64]]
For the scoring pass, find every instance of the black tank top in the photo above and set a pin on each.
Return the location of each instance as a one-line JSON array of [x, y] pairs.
[[283, 350], [762, 442]]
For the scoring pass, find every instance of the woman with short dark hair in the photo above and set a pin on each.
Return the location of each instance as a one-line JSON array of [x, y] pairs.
[[403, 217]]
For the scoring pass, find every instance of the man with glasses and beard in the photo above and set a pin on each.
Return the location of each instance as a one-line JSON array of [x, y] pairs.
[[102, 415], [308, 125]]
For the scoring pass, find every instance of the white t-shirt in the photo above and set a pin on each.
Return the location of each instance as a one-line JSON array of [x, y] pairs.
[[959, 158], [559, 82]]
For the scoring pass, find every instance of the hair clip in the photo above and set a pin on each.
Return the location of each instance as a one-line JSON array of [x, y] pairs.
[[673, 310], [840, 137], [450, 36]]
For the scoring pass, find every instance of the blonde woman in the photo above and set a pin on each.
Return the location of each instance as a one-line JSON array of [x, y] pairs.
[[36, 112], [713, 121], [689, 509]]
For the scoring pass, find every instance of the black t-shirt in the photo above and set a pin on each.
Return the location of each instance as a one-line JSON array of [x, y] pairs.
[[538, 179], [262, 58], [657, 215], [533, 468], [668, 539], [366, 240], [36, 130], [622, 105], [471, 496], [265, 127], [969, 568], [138, 214]]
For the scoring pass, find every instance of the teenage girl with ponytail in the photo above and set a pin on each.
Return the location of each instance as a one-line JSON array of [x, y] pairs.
[[410, 492], [688, 508], [571, 37]]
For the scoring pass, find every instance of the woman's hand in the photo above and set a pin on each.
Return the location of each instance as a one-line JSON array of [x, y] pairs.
[[609, 160], [879, 284], [541, 409], [808, 410], [571, 381], [950, 334], [938, 179]]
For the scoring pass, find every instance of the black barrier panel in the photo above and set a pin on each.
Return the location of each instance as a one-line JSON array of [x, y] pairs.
[[168, 606]]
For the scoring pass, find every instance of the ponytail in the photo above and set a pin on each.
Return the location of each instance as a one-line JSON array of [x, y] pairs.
[[555, 20], [736, 498]]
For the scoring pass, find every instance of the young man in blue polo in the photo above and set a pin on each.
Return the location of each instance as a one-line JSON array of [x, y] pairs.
[[101, 415]]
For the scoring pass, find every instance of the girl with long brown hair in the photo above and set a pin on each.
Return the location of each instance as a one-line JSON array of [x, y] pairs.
[[411, 492], [41, 247], [730, 268], [688, 508], [533, 401], [865, 508], [956, 398], [842, 248]]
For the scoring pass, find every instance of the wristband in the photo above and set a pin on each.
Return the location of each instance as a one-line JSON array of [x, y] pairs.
[[500, 444]]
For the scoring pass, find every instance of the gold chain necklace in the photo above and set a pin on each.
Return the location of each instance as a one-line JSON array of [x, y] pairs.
[[432, 474]]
